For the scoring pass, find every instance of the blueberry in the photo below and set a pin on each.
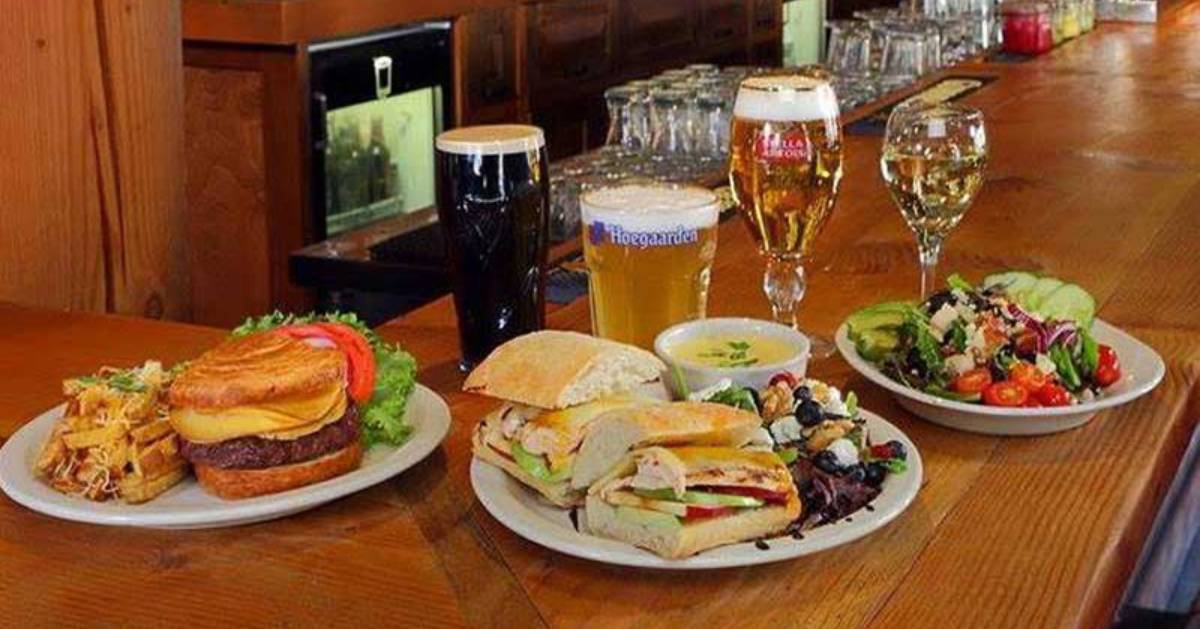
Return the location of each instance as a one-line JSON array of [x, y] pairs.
[[937, 300], [897, 450], [802, 392], [826, 461], [809, 413], [857, 473], [875, 473]]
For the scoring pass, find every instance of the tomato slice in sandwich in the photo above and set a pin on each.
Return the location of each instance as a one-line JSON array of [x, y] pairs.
[[360, 360], [707, 511], [766, 495]]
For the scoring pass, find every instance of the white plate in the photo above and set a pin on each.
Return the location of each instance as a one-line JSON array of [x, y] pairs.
[[1143, 369], [521, 509], [187, 505]]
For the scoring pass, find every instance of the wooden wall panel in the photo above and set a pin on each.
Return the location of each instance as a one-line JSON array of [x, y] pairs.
[[91, 159], [226, 192]]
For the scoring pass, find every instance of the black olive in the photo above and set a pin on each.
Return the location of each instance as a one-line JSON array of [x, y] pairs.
[[937, 300], [826, 461], [809, 413], [897, 450], [802, 392], [875, 473]]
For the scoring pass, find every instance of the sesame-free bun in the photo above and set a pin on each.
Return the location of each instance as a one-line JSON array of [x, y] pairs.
[[262, 367], [554, 369]]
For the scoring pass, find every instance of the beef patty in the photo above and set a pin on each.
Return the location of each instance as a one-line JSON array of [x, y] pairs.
[[255, 453]]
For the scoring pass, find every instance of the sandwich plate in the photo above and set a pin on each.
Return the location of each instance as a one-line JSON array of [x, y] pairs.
[[188, 506], [521, 510]]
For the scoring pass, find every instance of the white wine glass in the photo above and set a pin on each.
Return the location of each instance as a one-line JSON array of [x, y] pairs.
[[934, 156]]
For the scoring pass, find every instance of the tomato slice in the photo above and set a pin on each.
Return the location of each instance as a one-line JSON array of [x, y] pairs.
[[972, 381], [766, 495], [360, 360], [1005, 393], [703, 511], [1053, 395], [1028, 376]]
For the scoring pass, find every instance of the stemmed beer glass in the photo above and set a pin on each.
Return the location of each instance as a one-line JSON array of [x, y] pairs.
[[934, 156], [785, 170]]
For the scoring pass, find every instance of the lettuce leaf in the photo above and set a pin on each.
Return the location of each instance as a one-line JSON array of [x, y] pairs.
[[382, 417]]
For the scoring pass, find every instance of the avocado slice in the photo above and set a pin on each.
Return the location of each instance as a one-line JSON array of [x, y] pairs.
[[876, 344], [700, 498], [535, 464]]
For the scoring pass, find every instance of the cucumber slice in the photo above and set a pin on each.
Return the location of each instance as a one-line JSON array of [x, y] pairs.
[[953, 395], [1033, 298], [1069, 303], [700, 498], [1013, 282]]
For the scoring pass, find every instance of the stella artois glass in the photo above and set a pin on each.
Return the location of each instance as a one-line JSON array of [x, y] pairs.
[[649, 250], [785, 169]]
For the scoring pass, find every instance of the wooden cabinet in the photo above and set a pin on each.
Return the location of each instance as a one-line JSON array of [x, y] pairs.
[[489, 50], [656, 32], [766, 18], [570, 43], [721, 25]]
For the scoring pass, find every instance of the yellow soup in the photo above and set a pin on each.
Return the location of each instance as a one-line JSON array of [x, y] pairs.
[[733, 350]]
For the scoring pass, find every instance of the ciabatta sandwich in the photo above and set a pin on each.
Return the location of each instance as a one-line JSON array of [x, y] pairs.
[[554, 385], [677, 502], [612, 435]]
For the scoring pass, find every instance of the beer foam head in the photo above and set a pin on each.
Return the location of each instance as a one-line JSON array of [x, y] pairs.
[[495, 139], [785, 98], [651, 207]]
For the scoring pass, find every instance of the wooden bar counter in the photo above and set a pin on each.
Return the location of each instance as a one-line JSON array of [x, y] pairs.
[[1094, 176]]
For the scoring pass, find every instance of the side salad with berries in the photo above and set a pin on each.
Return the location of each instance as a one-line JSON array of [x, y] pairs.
[[823, 440], [1014, 340]]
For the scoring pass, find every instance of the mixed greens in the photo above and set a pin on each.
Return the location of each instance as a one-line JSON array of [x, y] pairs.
[[395, 373], [1016, 339], [822, 439]]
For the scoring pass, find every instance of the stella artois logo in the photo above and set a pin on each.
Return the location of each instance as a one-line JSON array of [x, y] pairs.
[[782, 147]]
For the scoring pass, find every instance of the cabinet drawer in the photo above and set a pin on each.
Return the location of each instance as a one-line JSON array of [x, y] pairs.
[[654, 29], [569, 42], [766, 16], [489, 57], [721, 22]]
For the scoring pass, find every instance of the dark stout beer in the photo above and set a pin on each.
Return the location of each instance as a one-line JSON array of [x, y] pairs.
[[492, 197]]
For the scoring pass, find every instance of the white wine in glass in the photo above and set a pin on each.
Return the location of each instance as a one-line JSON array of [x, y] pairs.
[[933, 162]]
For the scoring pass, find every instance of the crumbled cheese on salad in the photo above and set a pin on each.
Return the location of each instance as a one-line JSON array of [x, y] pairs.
[[845, 451], [786, 429]]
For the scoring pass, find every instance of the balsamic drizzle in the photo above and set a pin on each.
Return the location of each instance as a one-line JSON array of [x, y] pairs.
[[574, 515]]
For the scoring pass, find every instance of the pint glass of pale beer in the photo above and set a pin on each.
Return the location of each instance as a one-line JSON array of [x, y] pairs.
[[649, 250], [785, 168]]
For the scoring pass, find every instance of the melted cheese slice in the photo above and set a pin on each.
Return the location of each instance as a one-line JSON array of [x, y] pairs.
[[281, 419], [557, 434]]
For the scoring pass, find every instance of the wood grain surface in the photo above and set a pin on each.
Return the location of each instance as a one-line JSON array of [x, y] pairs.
[[91, 188], [1093, 177]]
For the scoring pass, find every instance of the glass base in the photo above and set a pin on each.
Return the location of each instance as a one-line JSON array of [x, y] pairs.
[[820, 347]]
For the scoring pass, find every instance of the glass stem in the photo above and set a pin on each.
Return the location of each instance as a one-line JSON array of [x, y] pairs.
[[784, 285], [928, 249]]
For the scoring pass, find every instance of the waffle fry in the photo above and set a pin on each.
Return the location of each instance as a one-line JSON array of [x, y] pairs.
[[114, 441]]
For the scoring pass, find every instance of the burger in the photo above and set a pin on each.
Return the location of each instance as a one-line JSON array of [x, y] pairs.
[[269, 412]]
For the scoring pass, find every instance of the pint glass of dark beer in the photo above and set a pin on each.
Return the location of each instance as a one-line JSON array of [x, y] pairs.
[[493, 192]]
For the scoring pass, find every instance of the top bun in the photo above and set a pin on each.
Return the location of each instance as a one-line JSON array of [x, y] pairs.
[[256, 368], [554, 369]]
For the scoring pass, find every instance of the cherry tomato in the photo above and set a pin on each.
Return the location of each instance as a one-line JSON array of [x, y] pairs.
[[972, 381], [1005, 393], [705, 511], [1028, 376], [1108, 371], [1051, 394], [360, 360], [1032, 402]]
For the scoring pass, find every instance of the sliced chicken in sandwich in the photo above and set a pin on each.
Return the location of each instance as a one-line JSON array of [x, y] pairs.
[[677, 502]]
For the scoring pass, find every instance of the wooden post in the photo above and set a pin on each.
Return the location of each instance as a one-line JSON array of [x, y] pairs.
[[91, 156]]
